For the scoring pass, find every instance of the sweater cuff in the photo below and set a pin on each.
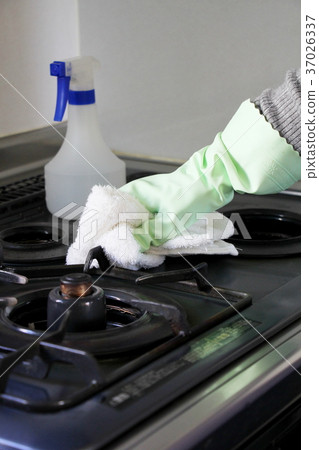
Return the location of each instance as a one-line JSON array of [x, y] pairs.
[[282, 108]]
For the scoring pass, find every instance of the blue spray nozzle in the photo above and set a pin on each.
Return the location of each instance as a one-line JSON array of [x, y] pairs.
[[57, 69], [75, 82]]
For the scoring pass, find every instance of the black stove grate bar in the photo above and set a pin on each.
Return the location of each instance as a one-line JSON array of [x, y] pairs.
[[8, 362], [198, 273], [97, 253], [21, 194], [43, 353], [96, 382]]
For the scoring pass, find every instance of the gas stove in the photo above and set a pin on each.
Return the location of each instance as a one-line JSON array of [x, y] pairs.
[[107, 357]]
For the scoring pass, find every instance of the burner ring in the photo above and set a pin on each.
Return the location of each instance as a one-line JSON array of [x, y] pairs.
[[266, 232], [35, 303], [32, 243], [129, 328], [30, 236]]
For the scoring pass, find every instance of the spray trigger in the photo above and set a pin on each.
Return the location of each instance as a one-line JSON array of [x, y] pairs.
[[57, 69]]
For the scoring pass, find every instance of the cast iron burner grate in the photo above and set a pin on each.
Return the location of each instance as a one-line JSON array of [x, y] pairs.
[[21, 194], [130, 324], [153, 323]]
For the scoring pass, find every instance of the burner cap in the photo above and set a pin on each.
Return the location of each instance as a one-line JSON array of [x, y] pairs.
[[84, 302], [76, 278], [76, 285]]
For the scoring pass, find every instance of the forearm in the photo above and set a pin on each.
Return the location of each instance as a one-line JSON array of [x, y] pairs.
[[258, 152], [249, 156]]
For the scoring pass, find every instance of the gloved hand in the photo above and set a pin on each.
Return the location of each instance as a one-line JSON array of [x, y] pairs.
[[248, 156], [111, 216]]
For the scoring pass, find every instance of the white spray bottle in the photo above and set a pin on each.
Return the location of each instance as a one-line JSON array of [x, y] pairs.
[[84, 159]]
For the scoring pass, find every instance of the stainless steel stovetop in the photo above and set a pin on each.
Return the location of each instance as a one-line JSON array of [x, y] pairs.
[[197, 351]]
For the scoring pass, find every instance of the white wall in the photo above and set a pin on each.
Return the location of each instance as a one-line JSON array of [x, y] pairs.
[[173, 71], [32, 34]]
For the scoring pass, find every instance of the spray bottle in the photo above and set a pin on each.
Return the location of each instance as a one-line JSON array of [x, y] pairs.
[[84, 159]]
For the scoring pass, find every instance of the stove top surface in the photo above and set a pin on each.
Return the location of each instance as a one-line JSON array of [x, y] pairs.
[[156, 334]]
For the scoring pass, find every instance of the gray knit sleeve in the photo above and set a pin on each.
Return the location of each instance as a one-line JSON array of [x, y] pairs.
[[282, 108]]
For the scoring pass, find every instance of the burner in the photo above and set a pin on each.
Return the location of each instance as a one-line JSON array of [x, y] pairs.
[[27, 237], [85, 302], [266, 232], [30, 243], [103, 321], [135, 344]]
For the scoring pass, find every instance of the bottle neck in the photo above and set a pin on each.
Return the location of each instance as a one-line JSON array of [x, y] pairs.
[[82, 117]]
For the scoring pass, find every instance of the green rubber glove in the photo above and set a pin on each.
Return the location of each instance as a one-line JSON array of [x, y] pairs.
[[249, 156]]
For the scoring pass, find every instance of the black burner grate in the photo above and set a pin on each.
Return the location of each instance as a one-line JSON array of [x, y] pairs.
[[26, 194], [22, 195]]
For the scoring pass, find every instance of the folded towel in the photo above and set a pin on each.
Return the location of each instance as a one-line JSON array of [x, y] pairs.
[[110, 216]]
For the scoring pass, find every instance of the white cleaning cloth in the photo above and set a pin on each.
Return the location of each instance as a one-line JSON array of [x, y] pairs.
[[110, 216]]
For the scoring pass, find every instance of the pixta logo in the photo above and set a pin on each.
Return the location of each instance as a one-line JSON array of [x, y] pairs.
[[78, 225], [239, 225], [168, 225], [65, 224]]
